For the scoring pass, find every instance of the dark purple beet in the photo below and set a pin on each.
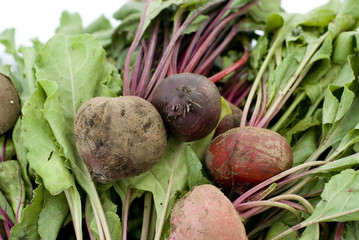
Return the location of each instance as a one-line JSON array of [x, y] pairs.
[[190, 105]]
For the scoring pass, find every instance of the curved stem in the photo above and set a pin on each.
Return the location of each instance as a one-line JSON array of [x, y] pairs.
[[273, 179], [270, 203], [239, 63]]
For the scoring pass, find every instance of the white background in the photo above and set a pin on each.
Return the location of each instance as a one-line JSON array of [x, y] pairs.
[[39, 18]]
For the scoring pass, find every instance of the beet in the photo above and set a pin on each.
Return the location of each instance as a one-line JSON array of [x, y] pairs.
[[190, 105], [10, 104], [119, 137], [205, 213], [245, 156]]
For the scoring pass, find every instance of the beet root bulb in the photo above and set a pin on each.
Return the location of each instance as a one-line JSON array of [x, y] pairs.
[[245, 156], [190, 105], [119, 137], [10, 104], [205, 213]]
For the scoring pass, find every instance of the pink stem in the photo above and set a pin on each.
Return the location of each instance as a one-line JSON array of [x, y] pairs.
[[219, 49], [137, 70], [136, 40], [148, 60], [189, 50]]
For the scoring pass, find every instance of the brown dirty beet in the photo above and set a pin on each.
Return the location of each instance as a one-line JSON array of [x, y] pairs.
[[9, 104], [119, 137]]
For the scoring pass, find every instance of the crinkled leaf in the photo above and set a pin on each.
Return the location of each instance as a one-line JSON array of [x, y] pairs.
[[21, 155], [27, 228], [43, 153], [12, 186], [52, 216]]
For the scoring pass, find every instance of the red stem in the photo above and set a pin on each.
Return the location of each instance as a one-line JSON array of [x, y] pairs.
[[239, 63], [339, 231]]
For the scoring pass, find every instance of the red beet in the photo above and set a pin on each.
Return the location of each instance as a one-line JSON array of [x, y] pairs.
[[190, 105], [245, 156]]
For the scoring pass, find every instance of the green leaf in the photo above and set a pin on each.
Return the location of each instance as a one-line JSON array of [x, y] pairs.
[[52, 216], [7, 38], [27, 228], [70, 23], [43, 154], [21, 155], [351, 231], [278, 227], [11, 185], [127, 9], [305, 147], [194, 165], [338, 199], [156, 179], [311, 232]]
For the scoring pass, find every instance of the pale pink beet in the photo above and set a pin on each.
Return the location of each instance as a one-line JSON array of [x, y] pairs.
[[205, 213]]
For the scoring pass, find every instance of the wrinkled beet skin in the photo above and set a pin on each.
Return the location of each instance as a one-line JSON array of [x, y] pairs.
[[243, 157], [119, 137], [190, 105], [205, 213]]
